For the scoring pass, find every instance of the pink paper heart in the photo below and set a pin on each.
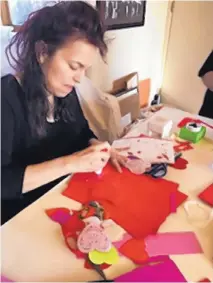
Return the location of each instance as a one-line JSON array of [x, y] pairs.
[[92, 238]]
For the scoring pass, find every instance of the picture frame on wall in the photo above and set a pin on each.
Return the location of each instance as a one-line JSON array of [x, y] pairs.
[[122, 14]]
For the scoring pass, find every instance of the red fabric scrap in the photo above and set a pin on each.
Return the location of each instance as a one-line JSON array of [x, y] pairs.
[[139, 204], [207, 195], [135, 250]]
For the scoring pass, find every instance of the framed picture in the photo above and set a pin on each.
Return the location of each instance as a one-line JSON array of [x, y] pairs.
[[122, 14]]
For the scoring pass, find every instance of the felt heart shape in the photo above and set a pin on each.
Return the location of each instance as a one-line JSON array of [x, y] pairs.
[[92, 238], [180, 163], [110, 257]]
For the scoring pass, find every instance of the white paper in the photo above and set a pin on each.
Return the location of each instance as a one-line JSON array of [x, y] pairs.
[[148, 149]]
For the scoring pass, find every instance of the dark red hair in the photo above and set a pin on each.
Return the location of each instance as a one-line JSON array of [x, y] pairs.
[[52, 25]]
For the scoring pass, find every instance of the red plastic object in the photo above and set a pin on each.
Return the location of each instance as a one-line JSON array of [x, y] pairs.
[[207, 195], [139, 204]]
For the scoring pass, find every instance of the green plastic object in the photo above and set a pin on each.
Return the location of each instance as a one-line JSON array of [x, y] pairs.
[[188, 135]]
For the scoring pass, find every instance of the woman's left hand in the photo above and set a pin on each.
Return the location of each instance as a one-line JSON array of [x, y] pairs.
[[117, 160]]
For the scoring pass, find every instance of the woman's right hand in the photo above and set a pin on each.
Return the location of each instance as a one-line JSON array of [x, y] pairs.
[[91, 159]]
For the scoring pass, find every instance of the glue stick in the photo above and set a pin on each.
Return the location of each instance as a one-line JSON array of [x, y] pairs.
[[99, 172]]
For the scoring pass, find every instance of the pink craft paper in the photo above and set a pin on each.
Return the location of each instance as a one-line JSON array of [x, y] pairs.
[[173, 243], [5, 279], [125, 238], [166, 271]]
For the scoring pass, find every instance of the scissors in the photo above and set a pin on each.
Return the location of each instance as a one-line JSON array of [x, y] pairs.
[[160, 170]]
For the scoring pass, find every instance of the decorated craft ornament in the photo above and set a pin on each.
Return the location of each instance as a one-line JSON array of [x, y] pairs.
[[92, 238], [110, 257]]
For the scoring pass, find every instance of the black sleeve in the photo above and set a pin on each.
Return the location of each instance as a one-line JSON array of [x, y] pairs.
[[207, 66], [11, 173]]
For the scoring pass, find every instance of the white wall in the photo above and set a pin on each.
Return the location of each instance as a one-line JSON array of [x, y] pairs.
[[135, 49], [191, 41]]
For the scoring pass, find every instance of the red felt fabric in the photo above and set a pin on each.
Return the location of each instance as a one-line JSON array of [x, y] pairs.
[[135, 250], [139, 204], [204, 280], [180, 163], [207, 195]]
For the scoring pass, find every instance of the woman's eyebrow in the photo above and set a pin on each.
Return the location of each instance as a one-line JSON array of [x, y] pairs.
[[79, 63]]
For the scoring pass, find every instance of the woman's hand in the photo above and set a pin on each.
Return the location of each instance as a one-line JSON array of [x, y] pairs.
[[91, 159], [117, 160]]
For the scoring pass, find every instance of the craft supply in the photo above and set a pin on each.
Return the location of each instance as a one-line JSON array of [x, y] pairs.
[[181, 164], [166, 271], [135, 203], [187, 120], [177, 155], [160, 126], [182, 146], [97, 268], [92, 237], [150, 150], [193, 127], [157, 170], [204, 280], [135, 250], [99, 172], [110, 257], [207, 195], [92, 208], [137, 166], [172, 243], [60, 215], [5, 279], [125, 238], [193, 132], [72, 227]]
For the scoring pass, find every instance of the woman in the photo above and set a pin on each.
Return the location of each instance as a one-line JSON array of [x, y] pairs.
[[44, 133], [206, 73]]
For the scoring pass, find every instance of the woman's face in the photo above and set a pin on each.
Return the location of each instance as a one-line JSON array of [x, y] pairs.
[[67, 65]]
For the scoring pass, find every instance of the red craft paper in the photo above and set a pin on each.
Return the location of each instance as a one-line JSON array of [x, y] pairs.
[[189, 120], [182, 146], [89, 266], [204, 280], [207, 195], [135, 250], [70, 224], [139, 204], [180, 163]]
